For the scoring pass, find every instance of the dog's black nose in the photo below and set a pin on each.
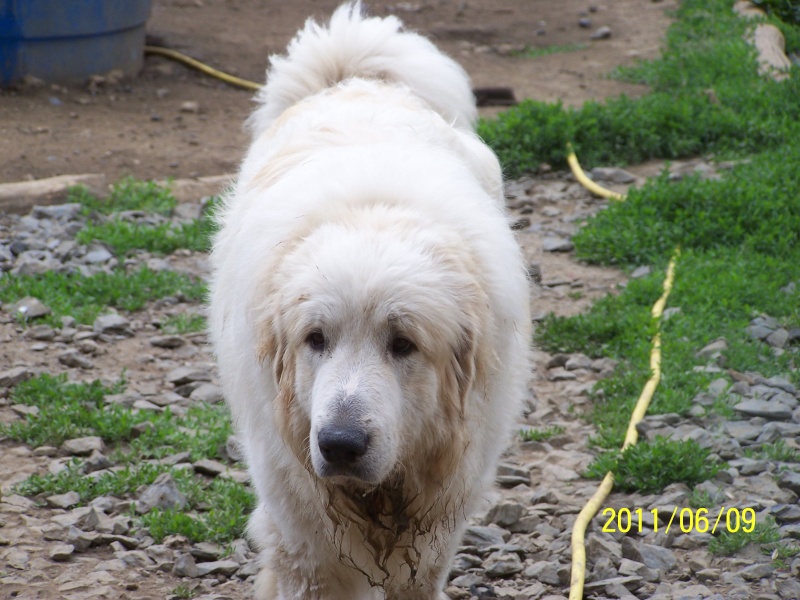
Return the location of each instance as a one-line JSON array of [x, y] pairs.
[[342, 446]]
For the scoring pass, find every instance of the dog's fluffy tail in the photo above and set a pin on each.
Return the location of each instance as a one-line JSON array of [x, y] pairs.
[[353, 45]]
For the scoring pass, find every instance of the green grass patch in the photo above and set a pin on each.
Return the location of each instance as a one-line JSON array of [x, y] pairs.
[[649, 467], [728, 543], [754, 209], [785, 10], [86, 297], [69, 410], [540, 435], [777, 451], [184, 323], [718, 292], [122, 236], [706, 97], [127, 194], [218, 508], [700, 499]]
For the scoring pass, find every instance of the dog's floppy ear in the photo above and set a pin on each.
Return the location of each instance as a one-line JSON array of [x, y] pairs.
[[275, 347], [458, 373]]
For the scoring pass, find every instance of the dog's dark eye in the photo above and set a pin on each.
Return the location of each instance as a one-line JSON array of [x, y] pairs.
[[401, 346], [316, 340]]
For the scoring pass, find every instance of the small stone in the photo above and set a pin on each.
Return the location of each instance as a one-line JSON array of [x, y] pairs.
[[578, 361], [74, 359], [788, 589], [135, 558], [83, 446], [631, 567], [640, 272], [785, 513], [708, 575], [81, 540], [67, 500], [709, 350], [29, 308], [543, 571], [502, 565], [59, 212], [468, 581], [167, 341], [17, 559], [97, 255], [14, 376], [185, 566], [560, 374], [759, 332], [483, 537], [41, 332], [61, 552], [23, 410], [601, 33], [597, 545], [789, 480], [756, 571], [763, 408], [505, 514], [585, 23], [111, 324], [218, 567], [190, 106], [163, 493], [653, 556], [208, 466], [557, 244], [778, 338], [613, 175], [184, 375], [208, 393]]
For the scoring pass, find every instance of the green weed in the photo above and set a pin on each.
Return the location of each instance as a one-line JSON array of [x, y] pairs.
[[122, 237], [700, 499], [706, 97], [86, 297], [648, 467], [127, 194], [540, 435], [728, 543], [184, 323], [777, 451], [217, 509]]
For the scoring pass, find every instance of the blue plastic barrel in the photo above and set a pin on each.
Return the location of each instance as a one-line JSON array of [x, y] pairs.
[[66, 41]]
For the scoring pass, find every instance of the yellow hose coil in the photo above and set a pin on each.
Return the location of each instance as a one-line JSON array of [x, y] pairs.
[[196, 64], [639, 411]]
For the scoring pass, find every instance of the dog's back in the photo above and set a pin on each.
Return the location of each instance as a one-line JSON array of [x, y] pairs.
[[354, 45]]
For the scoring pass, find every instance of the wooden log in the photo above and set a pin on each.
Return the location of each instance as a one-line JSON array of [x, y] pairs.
[[20, 196]]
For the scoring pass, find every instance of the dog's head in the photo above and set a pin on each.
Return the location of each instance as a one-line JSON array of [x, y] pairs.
[[372, 327]]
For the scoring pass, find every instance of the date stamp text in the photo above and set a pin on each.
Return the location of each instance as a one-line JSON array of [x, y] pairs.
[[686, 520]]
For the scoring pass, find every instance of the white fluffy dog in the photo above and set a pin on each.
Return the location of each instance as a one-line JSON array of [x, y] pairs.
[[369, 312]]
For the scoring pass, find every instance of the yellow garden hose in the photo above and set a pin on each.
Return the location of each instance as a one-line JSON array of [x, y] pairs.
[[639, 411], [584, 180], [196, 64]]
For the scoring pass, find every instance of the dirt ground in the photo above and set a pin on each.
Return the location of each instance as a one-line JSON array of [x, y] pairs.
[[138, 127]]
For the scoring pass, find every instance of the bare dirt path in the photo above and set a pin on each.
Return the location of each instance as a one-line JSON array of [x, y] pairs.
[[143, 127]]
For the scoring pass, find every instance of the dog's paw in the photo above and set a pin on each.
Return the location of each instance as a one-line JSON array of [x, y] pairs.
[[266, 585]]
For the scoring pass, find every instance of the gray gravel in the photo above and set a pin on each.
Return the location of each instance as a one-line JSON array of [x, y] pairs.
[[518, 546]]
